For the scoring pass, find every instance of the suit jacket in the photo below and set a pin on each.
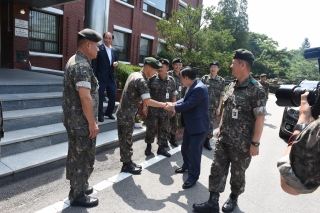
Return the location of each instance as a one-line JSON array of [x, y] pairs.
[[101, 65], [194, 108]]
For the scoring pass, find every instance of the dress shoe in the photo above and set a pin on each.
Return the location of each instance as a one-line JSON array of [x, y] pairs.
[[130, 168], [162, 151], [207, 144], [85, 201], [173, 141], [212, 205], [229, 205], [148, 149], [181, 170], [101, 119], [110, 116], [88, 191], [188, 184]]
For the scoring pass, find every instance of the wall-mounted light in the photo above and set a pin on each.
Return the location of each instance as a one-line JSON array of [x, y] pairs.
[[22, 11]]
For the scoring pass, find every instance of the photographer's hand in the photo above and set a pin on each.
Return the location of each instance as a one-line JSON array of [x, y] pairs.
[[305, 116]]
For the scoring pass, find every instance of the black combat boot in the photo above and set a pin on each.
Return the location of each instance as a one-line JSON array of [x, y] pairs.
[[135, 165], [207, 144], [162, 151], [148, 149], [173, 141], [129, 167], [166, 144], [231, 203], [212, 205], [84, 201]]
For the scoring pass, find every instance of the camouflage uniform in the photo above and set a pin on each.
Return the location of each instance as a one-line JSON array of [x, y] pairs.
[[301, 169], [81, 151], [181, 90], [215, 89], [265, 86], [233, 145], [1, 122], [135, 89], [159, 88]]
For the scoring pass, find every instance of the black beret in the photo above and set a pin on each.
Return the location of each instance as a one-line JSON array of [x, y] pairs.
[[263, 75], [216, 63], [164, 61], [90, 35], [177, 60], [245, 55], [153, 62], [256, 76]]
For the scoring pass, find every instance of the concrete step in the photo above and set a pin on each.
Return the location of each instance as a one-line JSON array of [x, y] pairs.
[[24, 140], [19, 165], [27, 118], [30, 100], [18, 89]]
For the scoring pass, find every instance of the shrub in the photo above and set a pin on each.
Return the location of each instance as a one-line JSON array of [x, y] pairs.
[[122, 73]]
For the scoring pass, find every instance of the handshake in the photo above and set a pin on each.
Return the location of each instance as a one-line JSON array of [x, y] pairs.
[[169, 106]]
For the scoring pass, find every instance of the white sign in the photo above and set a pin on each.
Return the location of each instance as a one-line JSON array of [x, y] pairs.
[[21, 23], [21, 32]]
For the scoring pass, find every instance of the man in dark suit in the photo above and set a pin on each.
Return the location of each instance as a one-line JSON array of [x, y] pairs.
[[195, 118], [103, 68]]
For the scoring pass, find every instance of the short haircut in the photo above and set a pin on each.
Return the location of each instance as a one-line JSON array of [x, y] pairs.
[[189, 72], [108, 33], [249, 65]]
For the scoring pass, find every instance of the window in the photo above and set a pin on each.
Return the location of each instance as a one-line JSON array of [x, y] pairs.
[[44, 32], [145, 45], [120, 42], [126, 1], [158, 8], [180, 8], [161, 46]]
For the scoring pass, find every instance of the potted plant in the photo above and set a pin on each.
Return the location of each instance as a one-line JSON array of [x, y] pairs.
[[138, 120]]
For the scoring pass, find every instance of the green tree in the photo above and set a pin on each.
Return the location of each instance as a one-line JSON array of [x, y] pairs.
[[305, 44]]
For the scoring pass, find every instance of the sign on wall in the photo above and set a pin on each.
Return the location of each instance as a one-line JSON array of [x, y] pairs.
[[21, 28]]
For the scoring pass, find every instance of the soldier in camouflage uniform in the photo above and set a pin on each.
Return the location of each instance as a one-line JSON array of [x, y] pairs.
[[215, 85], [265, 84], [175, 73], [300, 167], [162, 88], [1, 122], [238, 134], [135, 90], [80, 114]]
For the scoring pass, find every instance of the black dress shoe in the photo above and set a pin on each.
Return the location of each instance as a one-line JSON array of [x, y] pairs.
[[110, 116], [88, 191], [85, 201], [101, 119], [129, 167], [229, 205], [207, 144], [162, 151], [181, 170], [188, 184], [207, 207]]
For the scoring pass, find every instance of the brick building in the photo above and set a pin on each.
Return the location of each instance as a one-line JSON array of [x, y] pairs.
[[42, 33]]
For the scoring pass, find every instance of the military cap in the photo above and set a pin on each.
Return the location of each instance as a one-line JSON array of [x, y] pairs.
[[263, 75], [164, 61], [153, 62], [177, 60], [216, 63], [90, 35], [245, 55]]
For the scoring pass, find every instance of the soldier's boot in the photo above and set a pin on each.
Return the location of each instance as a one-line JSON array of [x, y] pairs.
[[162, 151], [212, 205], [129, 167], [231, 203], [148, 149], [88, 191], [173, 141], [85, 201], [166, 144], [135, 165], [207, 144]]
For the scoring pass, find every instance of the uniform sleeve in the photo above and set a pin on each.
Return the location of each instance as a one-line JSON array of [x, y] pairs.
[[173, 87], [143, 89], [259, 102], [222, 88], [82, 77]]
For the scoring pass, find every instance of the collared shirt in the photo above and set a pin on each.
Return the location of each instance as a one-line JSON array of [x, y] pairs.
[[108, 50], [215, 88]]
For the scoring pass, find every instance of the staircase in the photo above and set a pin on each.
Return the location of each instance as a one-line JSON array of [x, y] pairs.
[[35, 139]]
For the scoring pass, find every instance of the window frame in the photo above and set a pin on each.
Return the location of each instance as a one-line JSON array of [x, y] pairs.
[[127, 35], [142, 57]]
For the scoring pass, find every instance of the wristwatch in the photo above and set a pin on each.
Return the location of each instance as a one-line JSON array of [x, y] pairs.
[[299, 127], [256, 144]]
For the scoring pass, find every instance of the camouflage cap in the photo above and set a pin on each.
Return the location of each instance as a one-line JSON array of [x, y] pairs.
[[216, 63], [90, 35], [164, 61], [153, 62], [177, 60], [243, 54]]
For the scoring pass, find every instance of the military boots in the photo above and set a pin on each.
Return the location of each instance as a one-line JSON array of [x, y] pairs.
[[212, 205], [131, 168], [173, 141]]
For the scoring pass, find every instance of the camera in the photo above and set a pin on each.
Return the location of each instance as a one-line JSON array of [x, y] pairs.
[[290, 95]]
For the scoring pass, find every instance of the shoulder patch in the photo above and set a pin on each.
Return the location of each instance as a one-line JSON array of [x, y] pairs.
[[253, 81]]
